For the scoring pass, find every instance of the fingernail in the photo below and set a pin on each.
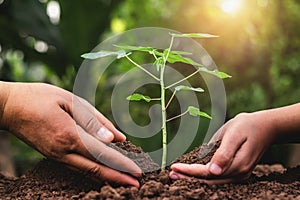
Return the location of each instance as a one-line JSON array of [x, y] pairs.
[[215, 169], [104, 134], [135, 184], [173, 176]]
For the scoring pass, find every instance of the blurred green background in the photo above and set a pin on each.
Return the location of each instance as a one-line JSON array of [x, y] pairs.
[[259, 45]]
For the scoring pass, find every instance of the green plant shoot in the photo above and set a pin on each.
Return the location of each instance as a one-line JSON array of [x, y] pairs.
[[161, 58]]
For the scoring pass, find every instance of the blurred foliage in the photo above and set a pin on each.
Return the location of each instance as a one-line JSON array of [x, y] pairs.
[[27, 25], [259, 44]]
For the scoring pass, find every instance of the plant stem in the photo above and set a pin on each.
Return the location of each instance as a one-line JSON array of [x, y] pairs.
[[163, 109], [189, 76], [169, 49], [164, 119], [139, 66]]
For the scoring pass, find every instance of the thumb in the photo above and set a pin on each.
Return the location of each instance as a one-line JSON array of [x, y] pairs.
[[93, 122], [223, 157]]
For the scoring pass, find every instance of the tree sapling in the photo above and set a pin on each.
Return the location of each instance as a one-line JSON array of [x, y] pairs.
[[161, 58]]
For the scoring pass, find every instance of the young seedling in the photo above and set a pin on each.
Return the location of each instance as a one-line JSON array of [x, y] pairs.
[[161, 58]]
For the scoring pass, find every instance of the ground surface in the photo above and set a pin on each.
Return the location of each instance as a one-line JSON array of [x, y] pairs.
[[52, 180]]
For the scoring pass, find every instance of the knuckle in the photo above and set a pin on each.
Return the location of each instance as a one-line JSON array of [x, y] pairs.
[[223, 157], [242, 115], [91, 123], [52, 151], [93, 171], [244, 170], [66, 139]]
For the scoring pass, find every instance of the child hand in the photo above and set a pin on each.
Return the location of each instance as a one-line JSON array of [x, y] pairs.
[[244, 140]]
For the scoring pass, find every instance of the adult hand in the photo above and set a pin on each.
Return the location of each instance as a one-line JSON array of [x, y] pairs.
[[66, 128], [244, 139]]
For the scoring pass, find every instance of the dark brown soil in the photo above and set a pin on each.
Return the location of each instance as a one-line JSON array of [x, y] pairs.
[[52, 180]]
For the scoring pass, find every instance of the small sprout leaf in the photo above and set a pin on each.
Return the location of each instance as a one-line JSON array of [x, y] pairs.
[[138, 97], [159, 63], [217, 73], [101, 54], [193, 111], [194, 35], [183, 87]]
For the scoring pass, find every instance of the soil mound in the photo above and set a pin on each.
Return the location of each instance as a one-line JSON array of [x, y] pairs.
[[53, 180]]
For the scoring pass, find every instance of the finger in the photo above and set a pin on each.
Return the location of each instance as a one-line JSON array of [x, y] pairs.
[[244, 160], [94, 122], [176, 175], [98, 172], [118, 136], [196, 170], [105, 155], [225, 180], [225, 154]]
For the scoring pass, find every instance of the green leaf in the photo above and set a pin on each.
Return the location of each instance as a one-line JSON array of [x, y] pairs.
[[181, 52], [101, 54], [138, 97], [174, 57], [217, 73], [193, 111], [194, 35], [183, 87], [136, 48]]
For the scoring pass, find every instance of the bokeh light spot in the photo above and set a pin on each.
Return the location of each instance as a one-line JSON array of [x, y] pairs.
[[53, 11], [41, 46], [118, 25]]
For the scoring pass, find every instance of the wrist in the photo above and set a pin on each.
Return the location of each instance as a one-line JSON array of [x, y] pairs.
[[4, 93], [282, 123], [266, 125]]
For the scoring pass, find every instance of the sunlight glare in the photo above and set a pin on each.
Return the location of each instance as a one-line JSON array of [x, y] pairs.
[[230, 6]]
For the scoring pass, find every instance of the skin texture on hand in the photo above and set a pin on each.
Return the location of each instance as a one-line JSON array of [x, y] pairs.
[[244, 140], [66, 128]]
